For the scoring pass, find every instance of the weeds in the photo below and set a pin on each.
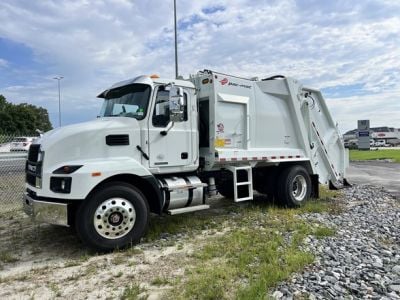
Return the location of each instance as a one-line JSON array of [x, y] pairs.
[[261, 249], [160, 281], [55, 289], [132, 293], [7, 257]]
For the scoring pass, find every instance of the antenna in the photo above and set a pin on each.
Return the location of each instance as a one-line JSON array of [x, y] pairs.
[[176, 43]]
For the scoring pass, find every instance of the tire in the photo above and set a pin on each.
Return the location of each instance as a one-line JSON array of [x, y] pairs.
[[294, 186], [114, 217]]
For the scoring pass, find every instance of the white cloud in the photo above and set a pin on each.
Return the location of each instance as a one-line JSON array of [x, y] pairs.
[[3, 63], [381, 109], [332, 45]]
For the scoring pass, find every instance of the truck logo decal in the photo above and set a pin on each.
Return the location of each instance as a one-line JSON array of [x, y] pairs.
[[224, 81], [220, 128]]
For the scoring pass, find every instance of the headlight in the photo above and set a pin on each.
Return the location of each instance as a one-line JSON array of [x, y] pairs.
[[40, 156]]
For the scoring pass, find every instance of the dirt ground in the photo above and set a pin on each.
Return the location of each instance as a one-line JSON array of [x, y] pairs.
[[47, 262]]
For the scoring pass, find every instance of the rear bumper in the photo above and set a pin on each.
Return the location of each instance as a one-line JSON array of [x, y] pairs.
[[46, 212]]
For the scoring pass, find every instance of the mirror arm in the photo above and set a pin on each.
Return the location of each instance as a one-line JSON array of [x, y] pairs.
[[169, 127]]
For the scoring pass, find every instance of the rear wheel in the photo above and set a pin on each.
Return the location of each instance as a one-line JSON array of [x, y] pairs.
[[113, 217], [294, 186]]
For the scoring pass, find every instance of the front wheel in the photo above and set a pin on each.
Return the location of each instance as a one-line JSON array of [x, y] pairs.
[[294, 186], [113, 217]]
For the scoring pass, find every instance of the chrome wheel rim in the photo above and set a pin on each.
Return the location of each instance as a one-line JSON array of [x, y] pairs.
[[114, 218], [299, 188]]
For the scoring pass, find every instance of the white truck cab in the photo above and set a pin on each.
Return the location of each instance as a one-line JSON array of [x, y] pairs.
[[164, 145]]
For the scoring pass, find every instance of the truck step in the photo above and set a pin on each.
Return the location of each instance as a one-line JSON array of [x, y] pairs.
[[248, 183], [244, 199], [243, 183], [189, 209]]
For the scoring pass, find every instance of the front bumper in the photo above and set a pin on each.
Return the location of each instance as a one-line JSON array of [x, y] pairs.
[[46, 212]]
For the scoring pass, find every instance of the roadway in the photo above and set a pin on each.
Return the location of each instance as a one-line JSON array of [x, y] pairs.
[[378, 173]]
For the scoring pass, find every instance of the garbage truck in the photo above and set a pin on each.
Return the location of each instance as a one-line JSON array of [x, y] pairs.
[[165, 146]]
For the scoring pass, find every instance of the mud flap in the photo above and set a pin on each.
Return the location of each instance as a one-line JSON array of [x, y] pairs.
[[315, 186]]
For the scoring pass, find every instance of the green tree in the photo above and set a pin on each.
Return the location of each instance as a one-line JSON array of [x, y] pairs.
[[22, 118]]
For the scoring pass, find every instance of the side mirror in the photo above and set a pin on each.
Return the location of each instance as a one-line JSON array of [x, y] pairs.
[[176, 104]]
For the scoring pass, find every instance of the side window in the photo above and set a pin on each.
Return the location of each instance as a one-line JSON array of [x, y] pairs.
[[185, 108], [161, 108]]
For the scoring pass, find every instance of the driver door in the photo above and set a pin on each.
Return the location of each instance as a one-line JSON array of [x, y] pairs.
[[172, 149]]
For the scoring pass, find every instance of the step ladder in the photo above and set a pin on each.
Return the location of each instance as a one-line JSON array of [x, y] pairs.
[[236, 183]]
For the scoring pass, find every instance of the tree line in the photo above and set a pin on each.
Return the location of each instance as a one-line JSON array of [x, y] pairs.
[[22, 119]]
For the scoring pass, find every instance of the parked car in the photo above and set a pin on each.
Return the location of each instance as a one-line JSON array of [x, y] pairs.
[[21, 143], [351, 145], [380, 143]]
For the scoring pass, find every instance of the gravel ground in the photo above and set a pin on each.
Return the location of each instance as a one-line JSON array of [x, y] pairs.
[[362, 260]]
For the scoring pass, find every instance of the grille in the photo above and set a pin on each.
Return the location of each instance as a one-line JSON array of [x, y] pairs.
[[117, 140], [33, 152]]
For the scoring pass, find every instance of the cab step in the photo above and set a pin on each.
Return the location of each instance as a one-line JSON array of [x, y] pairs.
[[189, 209]]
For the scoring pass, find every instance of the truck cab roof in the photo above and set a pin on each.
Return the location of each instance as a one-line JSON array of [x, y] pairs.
[[149, 80]]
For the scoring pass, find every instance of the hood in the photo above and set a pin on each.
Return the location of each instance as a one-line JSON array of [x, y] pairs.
[[88, 140]]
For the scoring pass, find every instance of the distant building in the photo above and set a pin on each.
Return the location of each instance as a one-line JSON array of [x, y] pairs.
[[388, 134]]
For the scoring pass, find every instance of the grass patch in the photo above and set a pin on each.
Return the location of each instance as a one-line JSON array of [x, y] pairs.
[[160, 281], [188, 224], [55, 289], [72, 263], [375, 154], [132, 292], [325, 203], [7, 257], [321, 232], [326, 194], [261, 249]]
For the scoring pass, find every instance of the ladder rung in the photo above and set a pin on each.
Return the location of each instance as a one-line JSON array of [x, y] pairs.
[[244, 199], [244, 183], [243, 168]]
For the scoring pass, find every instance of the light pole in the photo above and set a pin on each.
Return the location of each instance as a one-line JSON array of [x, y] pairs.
[[58, 78], [176, 42]]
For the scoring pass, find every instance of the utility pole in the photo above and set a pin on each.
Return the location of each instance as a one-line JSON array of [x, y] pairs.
[[176, 42], [58, 78]]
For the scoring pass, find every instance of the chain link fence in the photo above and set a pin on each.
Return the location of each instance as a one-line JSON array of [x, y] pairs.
[[13, 153]]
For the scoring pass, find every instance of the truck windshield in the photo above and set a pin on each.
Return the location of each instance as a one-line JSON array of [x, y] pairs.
[[126, 101]]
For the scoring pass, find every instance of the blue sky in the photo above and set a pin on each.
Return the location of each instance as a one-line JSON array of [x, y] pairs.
[[349, 49]]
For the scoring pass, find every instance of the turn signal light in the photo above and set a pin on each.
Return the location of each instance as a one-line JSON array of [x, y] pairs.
[[95, 174], [66, 169], [154, 76]]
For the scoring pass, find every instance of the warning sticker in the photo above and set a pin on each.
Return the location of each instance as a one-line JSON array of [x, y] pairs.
[[219, 142]]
